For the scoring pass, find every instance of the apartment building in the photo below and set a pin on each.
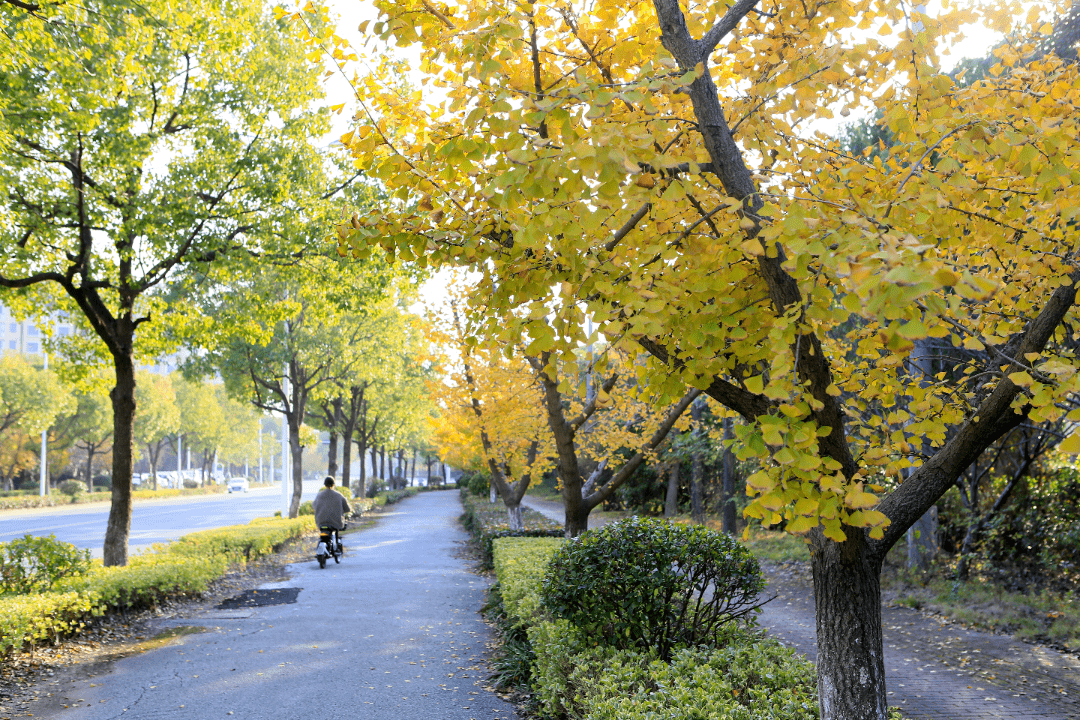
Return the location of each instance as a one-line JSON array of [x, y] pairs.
[[24, 336]]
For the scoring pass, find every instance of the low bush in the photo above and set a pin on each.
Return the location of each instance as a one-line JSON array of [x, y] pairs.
[[184, 567], [239, 543], [520, 564], [757, 679], [29, 620], [34, 564], [71, 488], [478, 483], [649, 584], [390, 497], [487, 522]]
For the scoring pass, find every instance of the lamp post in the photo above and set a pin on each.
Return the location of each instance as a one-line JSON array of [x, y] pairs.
[[44, 441]]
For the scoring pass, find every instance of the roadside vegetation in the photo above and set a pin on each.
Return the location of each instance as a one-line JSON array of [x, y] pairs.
[[51, 590], [594, 629]]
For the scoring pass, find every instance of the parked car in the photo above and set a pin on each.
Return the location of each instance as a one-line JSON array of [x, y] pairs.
[[238, 484]]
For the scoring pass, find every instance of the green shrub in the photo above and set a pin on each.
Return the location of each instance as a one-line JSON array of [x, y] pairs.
[[392, 496], [240, 543], [478, 483], [71, 488], [642, 583], [186, 566], [558, 646], [751, 680], [520, 564], [306, 508], [34, 564], [27, 620], [148, 579]]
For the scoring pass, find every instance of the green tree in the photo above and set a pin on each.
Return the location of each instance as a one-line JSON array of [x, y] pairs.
[[281, 333], [30, 401], [144, 139], [157, 418]]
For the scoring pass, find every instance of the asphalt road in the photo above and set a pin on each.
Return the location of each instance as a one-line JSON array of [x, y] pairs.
[[392, 633], [153, 521]]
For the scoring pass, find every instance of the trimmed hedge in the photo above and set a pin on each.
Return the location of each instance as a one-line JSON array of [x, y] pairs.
[[520, 564], [186, 566], [489, 521], [57, 499]]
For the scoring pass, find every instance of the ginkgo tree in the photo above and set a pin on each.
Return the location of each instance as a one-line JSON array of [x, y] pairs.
[[665, 170], [491, 408]]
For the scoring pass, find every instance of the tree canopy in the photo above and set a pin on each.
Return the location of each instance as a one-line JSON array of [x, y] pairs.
[[664, 171]]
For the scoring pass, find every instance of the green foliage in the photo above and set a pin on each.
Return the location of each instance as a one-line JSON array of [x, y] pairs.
[[31, 619], [148, 579], [520, 564], [35, 564], [753, 680], [306, 508], [240, 543], [1040, 527], [478, 483], [558, 646], [641, 583], [71, 488], [487, 521]]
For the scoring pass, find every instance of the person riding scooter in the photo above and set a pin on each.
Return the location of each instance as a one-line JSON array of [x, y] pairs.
[[330, 507]]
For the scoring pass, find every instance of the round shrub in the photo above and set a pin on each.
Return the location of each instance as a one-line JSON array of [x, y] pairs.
[[643, 583], [33, 564], [71, 488], [306, 508], [477, 483]]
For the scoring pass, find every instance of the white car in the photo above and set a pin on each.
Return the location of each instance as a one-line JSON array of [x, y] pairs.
[[238, 484]]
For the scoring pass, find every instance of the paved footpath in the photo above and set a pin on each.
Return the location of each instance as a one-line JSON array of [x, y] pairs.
[[933, 670], [392, 633]]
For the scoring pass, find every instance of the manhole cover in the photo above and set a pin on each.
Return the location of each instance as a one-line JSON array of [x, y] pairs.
[[260, 598]]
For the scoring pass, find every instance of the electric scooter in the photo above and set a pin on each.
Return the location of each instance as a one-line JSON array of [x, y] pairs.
[[329, 546]]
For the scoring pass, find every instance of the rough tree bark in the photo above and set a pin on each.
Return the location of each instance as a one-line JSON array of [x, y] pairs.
[[697, 466], [671, 498], [115, 551]]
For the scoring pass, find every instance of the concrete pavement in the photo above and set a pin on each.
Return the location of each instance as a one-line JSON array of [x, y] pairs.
[[392, 632]]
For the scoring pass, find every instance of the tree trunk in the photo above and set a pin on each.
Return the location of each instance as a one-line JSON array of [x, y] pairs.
[[922, 541], [577, 514], [671, 501], [89, 467], [346, 458], [728, 520], [697, 467], [847, 597], [297, 465], [153, 450], [516, 521], [332, 466], [115, 551]]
